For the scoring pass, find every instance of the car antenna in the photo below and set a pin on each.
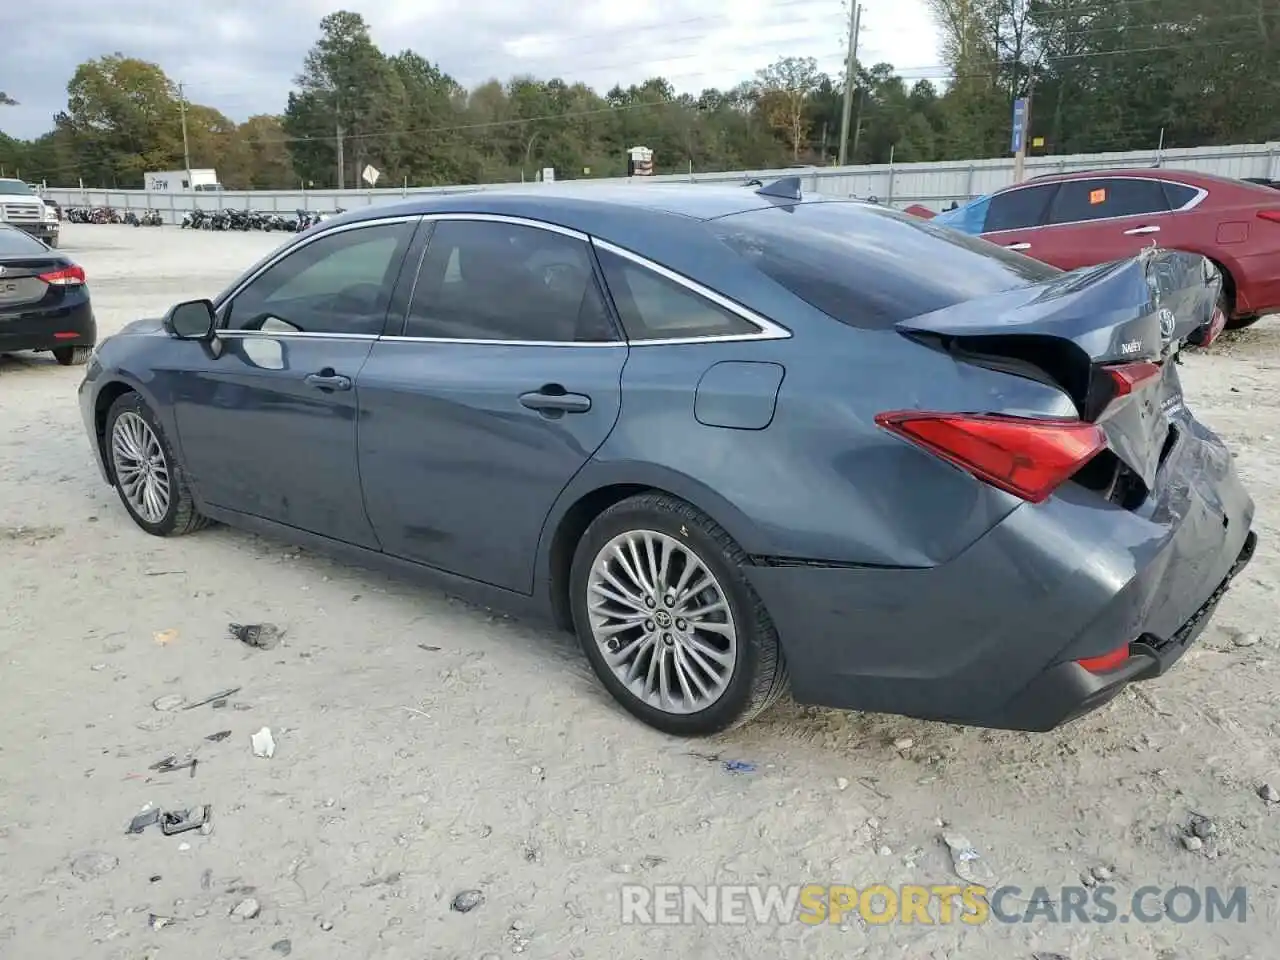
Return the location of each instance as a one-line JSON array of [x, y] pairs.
[[786, 188]]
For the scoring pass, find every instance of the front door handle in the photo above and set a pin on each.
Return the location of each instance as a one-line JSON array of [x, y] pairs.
[[1141, 231], [328, 380], [1018, 246], [552, 400]]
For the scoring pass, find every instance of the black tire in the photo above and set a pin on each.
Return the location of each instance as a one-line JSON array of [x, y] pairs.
[[181, 517], [72, 356], [759, 675], [52, 243], [1240, 323]]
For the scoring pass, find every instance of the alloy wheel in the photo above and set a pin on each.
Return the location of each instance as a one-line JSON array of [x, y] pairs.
[[140, 467], [663, 622]]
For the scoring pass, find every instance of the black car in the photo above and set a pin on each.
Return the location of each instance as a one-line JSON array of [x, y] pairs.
[[44, 301]]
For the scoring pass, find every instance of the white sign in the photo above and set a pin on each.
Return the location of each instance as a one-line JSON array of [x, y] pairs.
[[548, 174], [370, 174]]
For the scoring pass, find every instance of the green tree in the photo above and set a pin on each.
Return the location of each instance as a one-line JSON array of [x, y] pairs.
[[783, 89]]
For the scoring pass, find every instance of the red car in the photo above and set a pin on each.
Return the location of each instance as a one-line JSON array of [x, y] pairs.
[[1082, 219]]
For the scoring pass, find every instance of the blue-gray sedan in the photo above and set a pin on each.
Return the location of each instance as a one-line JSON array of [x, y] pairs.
[[740, 441]]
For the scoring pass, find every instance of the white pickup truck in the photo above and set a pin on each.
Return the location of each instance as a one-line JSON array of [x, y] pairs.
[[21, 207]]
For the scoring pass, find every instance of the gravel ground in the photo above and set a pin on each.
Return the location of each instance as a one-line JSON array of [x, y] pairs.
[[424, 747]]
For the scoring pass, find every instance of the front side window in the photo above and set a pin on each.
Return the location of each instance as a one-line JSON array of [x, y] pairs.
[[1083, 200], [493, 280], [338, 283], [1020, 209], [653, 307]]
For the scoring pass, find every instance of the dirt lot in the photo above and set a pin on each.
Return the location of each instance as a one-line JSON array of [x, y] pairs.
[[425, 748]]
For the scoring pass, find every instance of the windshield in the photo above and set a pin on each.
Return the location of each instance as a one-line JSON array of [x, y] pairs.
[[869, 266], [15, 188]]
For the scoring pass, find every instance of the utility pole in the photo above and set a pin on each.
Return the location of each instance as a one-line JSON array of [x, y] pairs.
[[342, 181], [186, 144], [850, 71], [1020, 156]]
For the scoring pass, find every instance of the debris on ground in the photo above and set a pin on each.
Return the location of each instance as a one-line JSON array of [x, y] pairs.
[[263, 636], [170, 763], [903, 744], [170, 701], [967, 862], [206, 880], [246, 909], [740, 766], [90, 866], [842, 783], [219, 736], [165, 637], [282, 947], [1269, 793], [326, 925], [263, 744], [427, 647], [157, 922], [1202, 827], [393, 877], [215, 699], [1192, 842], [1102, 874], [467, 900], [143, 820], [182, 821]]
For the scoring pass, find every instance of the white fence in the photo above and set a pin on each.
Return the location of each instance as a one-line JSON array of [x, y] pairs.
[[932, 184]]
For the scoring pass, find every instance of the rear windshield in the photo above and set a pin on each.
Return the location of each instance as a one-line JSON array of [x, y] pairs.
[[15, 188], [15, 243], [869, 266]]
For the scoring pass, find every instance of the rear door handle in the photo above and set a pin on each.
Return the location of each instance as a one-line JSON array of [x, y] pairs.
[[553, 399], [328, 380], [1018, 246], [1141, 231]]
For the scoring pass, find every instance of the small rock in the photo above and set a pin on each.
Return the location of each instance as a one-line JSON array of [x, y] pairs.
[[206, 828], [206, 880], [842, 783], [1268, 793], [282, 947], [246, 909], [202, 912], [263, 744], [184, 847], [467, 900], [903, 743], [1088, 879], [886, 852], [326, 925], [169, 702], [89, 866], [1192, 843], [1246, 639], [157, 922], [1102, 874], [967, 862], [1204, 828]]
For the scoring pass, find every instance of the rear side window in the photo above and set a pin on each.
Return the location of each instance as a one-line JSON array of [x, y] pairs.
[[1019, 209], [1083, 200], [868, 266], [653, 307], [15, 243], [1179, 194]]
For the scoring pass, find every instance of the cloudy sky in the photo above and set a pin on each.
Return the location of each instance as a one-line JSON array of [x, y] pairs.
[[240, 56]]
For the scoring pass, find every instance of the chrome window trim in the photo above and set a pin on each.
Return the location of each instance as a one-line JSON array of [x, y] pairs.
[[508, 343], [513, 220], [766, 329], [293, 248], [1191, 204], [293, 335]]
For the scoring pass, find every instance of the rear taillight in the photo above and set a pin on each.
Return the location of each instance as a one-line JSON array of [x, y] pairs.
[[1027, 457], [1127, 378], [72, 276], [1272, 215], [1205, 335], [1107, 661]]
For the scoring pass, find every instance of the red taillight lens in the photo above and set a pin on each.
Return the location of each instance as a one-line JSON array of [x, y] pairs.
[[66, 277], [1272, 215], [1127, 378], [1027, 457], [1106, 662], [1210, 331]]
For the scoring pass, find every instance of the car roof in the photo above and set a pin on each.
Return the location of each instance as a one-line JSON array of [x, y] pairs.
[[1190, 177]]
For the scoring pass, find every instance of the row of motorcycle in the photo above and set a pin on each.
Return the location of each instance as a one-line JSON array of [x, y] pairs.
[[147, 218], [254, 220], [204, 219]]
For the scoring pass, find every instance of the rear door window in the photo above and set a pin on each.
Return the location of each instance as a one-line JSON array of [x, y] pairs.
[[1019, 209], [1179, 194], [868, 266], [15, 243], [1079, 201]]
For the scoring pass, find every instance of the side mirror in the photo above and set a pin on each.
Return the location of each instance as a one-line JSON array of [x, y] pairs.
[[192, 320]]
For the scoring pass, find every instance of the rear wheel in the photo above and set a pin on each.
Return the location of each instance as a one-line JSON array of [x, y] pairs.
[[146, 473], [72, 356], [672, 627]]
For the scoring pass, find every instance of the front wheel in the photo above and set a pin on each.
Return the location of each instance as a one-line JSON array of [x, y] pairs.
[[671, 625], [145, 471]]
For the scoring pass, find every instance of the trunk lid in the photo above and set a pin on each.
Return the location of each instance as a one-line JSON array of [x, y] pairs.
[[1107, 336], [21, 285]]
